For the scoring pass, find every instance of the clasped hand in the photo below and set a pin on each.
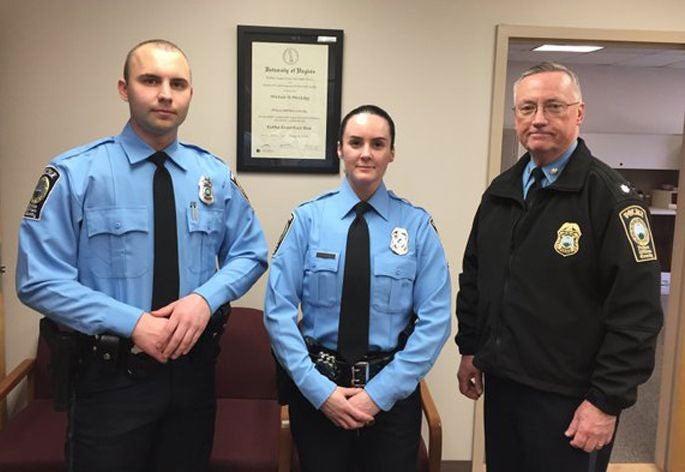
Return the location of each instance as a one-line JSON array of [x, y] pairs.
[[172, 331], [350, 408]]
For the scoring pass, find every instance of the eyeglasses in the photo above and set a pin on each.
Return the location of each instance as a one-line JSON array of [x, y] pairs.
[[553, 108]]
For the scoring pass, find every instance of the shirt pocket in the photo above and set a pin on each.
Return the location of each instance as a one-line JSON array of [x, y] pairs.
[[393, 283], [117, 241], [320, 284], [204, 233]]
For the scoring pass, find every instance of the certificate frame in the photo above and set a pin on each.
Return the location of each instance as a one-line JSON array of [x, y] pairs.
[[325, 160]]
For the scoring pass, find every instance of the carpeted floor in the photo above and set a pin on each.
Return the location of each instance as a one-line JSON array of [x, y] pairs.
[[636, 437]]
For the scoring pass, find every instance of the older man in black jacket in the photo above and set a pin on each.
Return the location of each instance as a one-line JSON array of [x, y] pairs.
[[559, 296]]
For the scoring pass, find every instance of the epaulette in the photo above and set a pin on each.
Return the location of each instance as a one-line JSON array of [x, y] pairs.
[[196, 147], [407, 202], [84, 148], [621, 189], [404, 200], [202, 150], [319, 197]]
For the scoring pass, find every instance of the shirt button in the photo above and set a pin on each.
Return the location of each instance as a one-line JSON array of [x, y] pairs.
[[117, 225]]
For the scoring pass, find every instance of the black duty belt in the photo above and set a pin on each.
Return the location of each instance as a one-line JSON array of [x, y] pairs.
[[117, 352], [344, 374]]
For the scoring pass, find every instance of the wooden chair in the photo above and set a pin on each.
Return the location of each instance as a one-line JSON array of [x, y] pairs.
[[252, 431], [247, 421], [33, 439], [429, 459]]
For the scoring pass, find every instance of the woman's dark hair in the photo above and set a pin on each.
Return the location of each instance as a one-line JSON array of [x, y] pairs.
[[373, 110]]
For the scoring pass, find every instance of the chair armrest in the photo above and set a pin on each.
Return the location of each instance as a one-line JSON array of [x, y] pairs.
[[285, 444], [25, 369], [430, 411]]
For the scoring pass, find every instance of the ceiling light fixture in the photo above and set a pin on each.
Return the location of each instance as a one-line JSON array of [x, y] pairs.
[[567, 48]]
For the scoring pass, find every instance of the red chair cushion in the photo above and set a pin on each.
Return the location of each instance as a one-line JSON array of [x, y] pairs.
[[34, 439], [246, 436], [245, 368]]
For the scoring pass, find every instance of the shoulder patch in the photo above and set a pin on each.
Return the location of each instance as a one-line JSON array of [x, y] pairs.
[[636, 225], [46, 182], [286, 229], [235, 182]]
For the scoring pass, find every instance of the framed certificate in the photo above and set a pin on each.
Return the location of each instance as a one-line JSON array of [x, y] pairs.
[[289, 89]]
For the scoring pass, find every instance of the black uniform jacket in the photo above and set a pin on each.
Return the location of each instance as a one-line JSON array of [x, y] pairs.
[[563, 296]]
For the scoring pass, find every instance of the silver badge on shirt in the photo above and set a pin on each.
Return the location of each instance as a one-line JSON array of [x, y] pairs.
[[206, 192], [399, 241]]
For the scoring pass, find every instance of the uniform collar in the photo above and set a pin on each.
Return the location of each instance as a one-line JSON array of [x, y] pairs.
[[138, 150], [380, 200], [509, 183], [553, 170]]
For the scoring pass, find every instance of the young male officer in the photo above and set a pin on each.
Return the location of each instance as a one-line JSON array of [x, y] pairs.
[[137, 241]]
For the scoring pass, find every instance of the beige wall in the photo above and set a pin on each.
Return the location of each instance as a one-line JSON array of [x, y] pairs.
[[429, 63]]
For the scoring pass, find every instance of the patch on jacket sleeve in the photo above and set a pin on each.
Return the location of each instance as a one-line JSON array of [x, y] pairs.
[[46, 182], [286, 229], [639, 234], [235, 182], [432, 223]]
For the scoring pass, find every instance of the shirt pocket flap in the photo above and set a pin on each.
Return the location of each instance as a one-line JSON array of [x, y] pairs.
[[323, 261], [204, 220], [116, 221], [397, 267]]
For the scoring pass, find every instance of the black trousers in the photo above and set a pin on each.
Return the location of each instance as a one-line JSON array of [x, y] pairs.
[[164, 422], [390, 444], [524, 431]]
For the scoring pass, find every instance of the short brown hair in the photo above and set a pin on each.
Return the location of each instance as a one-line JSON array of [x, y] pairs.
[[160, 43]]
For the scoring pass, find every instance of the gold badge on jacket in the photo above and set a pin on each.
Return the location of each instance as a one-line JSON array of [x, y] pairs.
[[399, 241], [636, 226], [568, 239]]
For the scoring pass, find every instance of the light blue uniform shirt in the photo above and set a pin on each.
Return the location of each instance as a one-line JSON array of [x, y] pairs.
[[552, 171], [307, 271], [86, 243]]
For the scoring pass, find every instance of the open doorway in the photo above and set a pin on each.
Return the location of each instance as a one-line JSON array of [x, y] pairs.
[[662, 397]]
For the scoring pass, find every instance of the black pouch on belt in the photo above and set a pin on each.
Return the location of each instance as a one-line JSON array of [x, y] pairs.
[[65, 356]]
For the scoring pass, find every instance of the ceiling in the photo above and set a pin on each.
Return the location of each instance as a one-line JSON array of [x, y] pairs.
[[614, 54]]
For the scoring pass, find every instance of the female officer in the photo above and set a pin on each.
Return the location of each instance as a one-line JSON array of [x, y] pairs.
[[370, 275]]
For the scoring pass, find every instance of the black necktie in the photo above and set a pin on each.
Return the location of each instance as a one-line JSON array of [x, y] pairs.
[[353, 330], [165, 281], [537, 175]]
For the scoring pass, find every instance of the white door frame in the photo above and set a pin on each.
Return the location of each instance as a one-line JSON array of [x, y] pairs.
[[670, 441]]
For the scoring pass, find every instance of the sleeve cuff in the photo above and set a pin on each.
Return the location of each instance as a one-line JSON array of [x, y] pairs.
[[316, 388], [125, 324], [382, 401], [603, 402]]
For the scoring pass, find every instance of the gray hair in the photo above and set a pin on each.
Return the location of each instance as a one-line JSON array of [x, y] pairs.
[[550, 67]]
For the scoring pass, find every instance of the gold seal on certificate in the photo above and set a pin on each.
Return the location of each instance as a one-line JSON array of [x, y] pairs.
[[289, 100]]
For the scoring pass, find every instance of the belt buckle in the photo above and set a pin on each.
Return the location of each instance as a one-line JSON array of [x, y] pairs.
[[360, 374]]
